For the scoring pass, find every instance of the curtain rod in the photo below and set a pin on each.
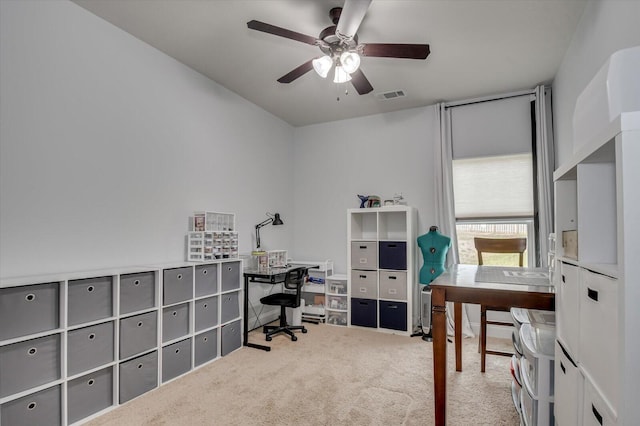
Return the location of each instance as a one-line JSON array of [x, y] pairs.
[[489, 98]]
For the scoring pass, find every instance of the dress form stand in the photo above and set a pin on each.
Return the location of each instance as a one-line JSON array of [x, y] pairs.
[[434, 247]]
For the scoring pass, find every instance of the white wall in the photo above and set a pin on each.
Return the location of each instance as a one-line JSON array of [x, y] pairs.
[[107, 145], [605, 27], [380, 154]]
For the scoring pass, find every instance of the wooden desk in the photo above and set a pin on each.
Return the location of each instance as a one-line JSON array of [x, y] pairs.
[[458, 284]]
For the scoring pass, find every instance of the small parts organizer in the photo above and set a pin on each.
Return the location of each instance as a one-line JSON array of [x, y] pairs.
[[212, 236], [271, 259]]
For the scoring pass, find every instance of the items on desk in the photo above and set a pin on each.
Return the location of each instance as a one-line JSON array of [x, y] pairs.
[[273, 219]]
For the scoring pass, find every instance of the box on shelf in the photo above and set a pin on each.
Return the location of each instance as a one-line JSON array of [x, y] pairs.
[[570, 244]]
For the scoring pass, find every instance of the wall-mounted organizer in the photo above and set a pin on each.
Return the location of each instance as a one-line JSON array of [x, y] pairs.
[[314, 289], [382, 275], [73, 346], [212, 236]]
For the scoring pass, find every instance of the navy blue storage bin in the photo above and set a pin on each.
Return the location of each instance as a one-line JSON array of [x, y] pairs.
[[393, 315], [392, 255], [364, 312]]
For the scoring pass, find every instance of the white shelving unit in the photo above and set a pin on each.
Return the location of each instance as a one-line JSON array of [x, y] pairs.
[[382, 273], [76, 345], [314, 289]]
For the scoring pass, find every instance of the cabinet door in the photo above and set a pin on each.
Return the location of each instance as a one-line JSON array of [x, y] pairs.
[[567, 314], [568, 389]]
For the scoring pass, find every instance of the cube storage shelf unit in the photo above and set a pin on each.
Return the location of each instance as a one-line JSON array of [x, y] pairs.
[[75, 345], [598, 320], [382, 276], [314, 290], [211, 236]]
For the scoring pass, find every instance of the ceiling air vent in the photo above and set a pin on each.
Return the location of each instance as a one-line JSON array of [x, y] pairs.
[[391, 95]]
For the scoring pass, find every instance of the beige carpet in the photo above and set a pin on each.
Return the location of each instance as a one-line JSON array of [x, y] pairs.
[[330, 376]]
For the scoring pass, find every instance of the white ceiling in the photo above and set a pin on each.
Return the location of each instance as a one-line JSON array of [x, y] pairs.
[[478, 48]]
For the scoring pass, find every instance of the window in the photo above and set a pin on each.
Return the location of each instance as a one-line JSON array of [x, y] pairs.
[[468, 229]]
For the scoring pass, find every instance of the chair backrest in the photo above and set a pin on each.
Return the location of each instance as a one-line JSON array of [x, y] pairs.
[[501, 245], [294, 281]]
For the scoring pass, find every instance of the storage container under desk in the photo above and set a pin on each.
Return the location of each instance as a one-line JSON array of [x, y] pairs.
[[90, 347], [138, 375], [205, 346], [137, 292], [176, 359], [29, 309], [89, 299], [89, 394], [40, 408]]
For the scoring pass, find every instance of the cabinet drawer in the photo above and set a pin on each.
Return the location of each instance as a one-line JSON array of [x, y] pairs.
[[393, 255], [231, 338], [599, 332], [364, 255], [393, 315], [337, 318], [28, 364], [138, 376], [229, 307], [90, 347], [177, 285], [337, 286], [176, 359], [40, 408], [364, 284], [29, 309], [138, 334], [568, 389], [206, 312], [89, 394], [567, 314], [206, 279], [206, 346], [137, 292], [90, 299], [393, 285], [595, 411], [364, 312], [230, 276], [175, 322]]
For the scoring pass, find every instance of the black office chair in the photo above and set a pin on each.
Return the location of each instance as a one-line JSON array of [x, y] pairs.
[[293, 281]]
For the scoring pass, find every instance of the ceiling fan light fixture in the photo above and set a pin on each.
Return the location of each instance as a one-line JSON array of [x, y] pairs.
[[341, 76], [350, 61], [322, 66]]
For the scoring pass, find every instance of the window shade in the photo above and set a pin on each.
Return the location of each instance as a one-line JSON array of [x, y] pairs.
[[492, 187]]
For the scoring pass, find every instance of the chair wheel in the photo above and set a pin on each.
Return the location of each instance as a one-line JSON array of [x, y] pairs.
[[304, 330], [294, 338], [268, 338]]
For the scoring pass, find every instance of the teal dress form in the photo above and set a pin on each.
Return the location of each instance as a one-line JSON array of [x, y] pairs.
[[434, 248]]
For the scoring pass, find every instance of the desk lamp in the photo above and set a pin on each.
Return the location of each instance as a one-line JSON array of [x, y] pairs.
[[274, 219]]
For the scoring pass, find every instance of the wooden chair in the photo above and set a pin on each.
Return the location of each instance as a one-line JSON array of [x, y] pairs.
[[495, 245]]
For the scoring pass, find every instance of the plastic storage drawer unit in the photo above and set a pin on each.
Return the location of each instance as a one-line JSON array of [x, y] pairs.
[[40, 408], [231, 338], [364, 284], [393, 255], [175, 322], [90, 347], [138, 334], [230, 276], [90, 299], [29, 309], [89, 394], [364, 255], [393, 285], [364, 312], [206, 313], [230, 307], [206, 347], [138, 376], [137, 292], [393, 315], [537, 363], [27, 364], [176, 359], [177, 285], [206, 279]]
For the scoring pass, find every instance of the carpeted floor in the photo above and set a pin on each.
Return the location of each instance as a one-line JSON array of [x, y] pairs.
[[330, 376]]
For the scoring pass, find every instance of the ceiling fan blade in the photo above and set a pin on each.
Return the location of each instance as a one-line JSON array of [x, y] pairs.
[[351, 17], [360, 82], [282, 32], [298, 72], [391, 50]]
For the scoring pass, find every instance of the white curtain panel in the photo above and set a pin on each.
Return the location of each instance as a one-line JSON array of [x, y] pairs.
[[545, 165], [445, 210]]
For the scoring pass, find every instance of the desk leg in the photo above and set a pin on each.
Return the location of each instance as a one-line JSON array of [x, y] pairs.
[[245, 330], [439, 324], [457, 318]]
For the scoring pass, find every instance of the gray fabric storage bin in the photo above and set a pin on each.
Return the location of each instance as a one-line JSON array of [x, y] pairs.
[[206, 279], [175, 322], [176, 359], [40, 408], [29, 309], [230, 338], [90, 347], [364, 284], [206, 346], [230, 275], [27, 364], [89, 394], [138, 375], [393, 285], [230, 308], [177, 285], [364, 255], [206, 313], [137, 292], [138, 334], [90, 299]]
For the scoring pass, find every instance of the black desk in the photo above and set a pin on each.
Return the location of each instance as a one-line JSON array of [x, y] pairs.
[[272, 276]]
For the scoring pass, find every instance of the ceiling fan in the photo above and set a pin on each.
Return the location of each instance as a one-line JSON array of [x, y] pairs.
[[339, 44]]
